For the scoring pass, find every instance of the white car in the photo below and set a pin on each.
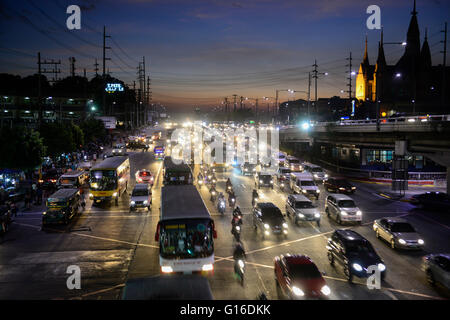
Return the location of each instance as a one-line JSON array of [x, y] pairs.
[[342, 208], [144, 176], [141, 197]]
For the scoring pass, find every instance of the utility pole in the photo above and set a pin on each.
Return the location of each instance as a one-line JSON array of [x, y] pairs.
[[309, 92], [96, 67], [235, 103], [444, 63], [54, 70], [315, 80], [135, 100], [141, 80], [149, 93], [144, 103], [349, 85], [72, 66], [226, 105], [104, 50]]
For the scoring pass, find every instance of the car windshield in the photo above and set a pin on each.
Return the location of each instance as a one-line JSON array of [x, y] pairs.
[[56, 203], [358, 247], [285, 171], [294, 161], [139, 192], [346, 204], [304, 271], [265, 178], [304, 205], [307, 183], [186, 239], [342, 183], [272, 215], [403, 227], [103, 180], [317, 170]]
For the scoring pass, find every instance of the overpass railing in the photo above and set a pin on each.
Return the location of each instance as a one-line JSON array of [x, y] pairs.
[[400, 120], [374, 174]]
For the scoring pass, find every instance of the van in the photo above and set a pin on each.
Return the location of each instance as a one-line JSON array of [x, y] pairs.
[[293, 163], [73, 179], [303, 183]]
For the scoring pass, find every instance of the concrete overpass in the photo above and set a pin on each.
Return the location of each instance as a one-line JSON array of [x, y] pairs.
[[428, 136]]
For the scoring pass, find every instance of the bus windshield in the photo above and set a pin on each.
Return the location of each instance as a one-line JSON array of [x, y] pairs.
[[103, 180], [186, 239]]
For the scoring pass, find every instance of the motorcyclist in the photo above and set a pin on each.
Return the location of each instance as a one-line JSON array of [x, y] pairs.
[[229, 186], [200, 178], [239, 252], [255, 196], [237, 217], [231, 196], [213, 193]]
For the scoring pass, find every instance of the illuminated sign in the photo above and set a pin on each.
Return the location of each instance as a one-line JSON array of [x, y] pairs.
[[113, 87]]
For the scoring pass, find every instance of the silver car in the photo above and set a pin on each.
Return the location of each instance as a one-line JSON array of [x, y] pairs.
[[437, 269], [300, 208], [398, 232]]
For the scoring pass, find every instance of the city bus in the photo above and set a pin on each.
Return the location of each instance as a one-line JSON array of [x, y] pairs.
[[176, 173], [158, 151], [185, 231], [109, 179]]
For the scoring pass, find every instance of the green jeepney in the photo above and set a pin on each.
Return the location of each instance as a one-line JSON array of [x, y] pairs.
[[62, 206]]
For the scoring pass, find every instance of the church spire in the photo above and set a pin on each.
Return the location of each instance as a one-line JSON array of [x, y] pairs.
[[414, 12], [366, 56], [381, 60], [425, 53]]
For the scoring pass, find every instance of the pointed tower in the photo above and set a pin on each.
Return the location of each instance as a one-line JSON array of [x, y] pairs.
[[380, 72], [362, 80], [425, 54], [412, 50], [365, 62]]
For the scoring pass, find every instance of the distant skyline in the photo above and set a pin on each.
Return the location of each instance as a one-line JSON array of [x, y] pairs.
[[198, 52]]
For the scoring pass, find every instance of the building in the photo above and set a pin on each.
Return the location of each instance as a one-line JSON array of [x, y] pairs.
[[413, 85]]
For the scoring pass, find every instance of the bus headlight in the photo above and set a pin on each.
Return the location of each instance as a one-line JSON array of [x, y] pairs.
[[266, 226], [381, 267], [325, 290], [132, 203], [115, 194], [166, 269], [318, 191], [207, 267], [285, 225]]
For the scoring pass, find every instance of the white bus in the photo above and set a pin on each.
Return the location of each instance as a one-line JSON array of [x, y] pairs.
[[185, 231]]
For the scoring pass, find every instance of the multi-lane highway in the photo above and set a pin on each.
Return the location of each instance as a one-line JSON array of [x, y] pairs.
[[111, 244]]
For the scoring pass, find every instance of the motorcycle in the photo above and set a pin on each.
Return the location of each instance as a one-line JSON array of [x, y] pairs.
[[236, 232], [232, 201], [254, 201], [221, 206], [213, 195], [239, 269], [229, 188]]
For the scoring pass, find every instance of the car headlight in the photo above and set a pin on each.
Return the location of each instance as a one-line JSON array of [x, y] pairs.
[[301, 215], [245, 169], [318, 191], [297, 291], [317, 215], [358, 213], [326, 176], [325, 290], [271, 181], [254, 169], [357, 267], [353, 188], [344, 213], [260, 181], [401, 241], [285, 225], [115, 194], [132, 203], [145, 202], [381, 267], [420, 241], [266, 226], [304, 191], [316, 176], [342, 189]]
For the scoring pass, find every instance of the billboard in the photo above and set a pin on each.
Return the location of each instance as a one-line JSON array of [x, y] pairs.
[[110, 122], [114, 87]]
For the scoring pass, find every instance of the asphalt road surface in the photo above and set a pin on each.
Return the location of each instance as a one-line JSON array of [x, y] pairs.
[[111, 244]]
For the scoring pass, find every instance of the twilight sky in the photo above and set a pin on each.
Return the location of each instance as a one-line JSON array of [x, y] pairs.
[[198, 52]]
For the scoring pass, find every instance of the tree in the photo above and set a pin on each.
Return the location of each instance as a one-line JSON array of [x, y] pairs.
[[58, 139], [93, 129], [77, 135], [25, 153]]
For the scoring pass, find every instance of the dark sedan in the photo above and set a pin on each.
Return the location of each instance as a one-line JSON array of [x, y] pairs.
[[339, 185], [432, 200]]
